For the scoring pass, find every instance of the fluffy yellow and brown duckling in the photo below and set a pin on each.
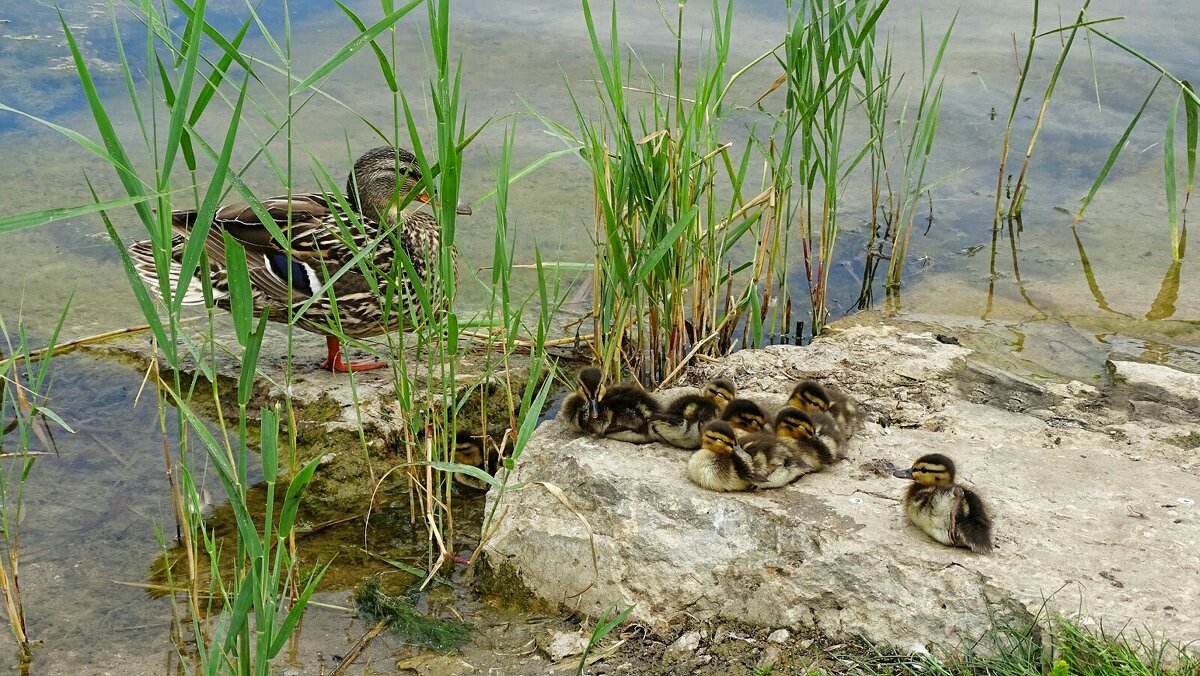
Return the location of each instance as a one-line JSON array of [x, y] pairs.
[[795, 449], [745, 416], [582, 410], [622, 412], [811, 397], [681, 423], [477, 451], [721, 464], [949, 513]]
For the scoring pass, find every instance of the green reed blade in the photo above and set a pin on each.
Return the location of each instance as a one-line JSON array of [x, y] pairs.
[[1187, 91], [1169, 177], [1191, 109], [352, 47], [470, 470], [250, 351], [1114, 153], [116, 155], [145, 303], [208, 207], [227, 47], [296, 612], [33, 219], [385, 67], [175, 125]]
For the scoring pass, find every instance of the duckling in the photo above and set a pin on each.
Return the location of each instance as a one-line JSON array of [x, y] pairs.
[[680, 424], [811, 397], [622, 412], [745, 416], [947, 512], [631, 409], [470, 449], [721, 464], [794, 450], [582, 409]]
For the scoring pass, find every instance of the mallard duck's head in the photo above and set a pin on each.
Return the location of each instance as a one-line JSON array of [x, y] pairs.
[[744, 415], [719, 392], [718, 437], [382, 178], [810, 397], [933, 469], [793, 423], [591, 389], [468, 449]]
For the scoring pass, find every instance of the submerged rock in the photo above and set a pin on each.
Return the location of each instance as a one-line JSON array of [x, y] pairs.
[[1081, 527]]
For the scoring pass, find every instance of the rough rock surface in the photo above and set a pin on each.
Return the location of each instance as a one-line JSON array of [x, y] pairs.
[[1095, 511]]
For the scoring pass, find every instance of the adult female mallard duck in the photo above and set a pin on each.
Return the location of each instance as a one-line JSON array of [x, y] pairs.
[[681, 423], [622, 412], [324, 242], [810, 397], [949, 513], [721, 464]]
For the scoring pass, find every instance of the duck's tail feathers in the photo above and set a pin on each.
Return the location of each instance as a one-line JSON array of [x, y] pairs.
[[974, 526], [142, 253]]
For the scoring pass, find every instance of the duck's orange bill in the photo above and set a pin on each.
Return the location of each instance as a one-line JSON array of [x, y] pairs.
[[461, 207]]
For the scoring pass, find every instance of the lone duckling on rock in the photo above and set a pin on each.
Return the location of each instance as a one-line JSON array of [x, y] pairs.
[[721, 464], [622, 412], [745, 416], [810, 397], [681, 423], [947, 512]]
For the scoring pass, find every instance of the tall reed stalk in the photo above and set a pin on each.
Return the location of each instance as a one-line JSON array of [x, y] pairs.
[[22, 399]]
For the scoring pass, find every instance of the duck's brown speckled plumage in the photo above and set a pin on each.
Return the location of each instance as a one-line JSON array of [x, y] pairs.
[[721, 464], [323, 238], [813, 398]]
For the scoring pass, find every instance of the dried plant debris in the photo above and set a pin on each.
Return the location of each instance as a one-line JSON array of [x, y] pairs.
[[405, 620]]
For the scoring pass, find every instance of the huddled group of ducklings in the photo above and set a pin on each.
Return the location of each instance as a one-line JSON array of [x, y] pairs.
[[736, 447]]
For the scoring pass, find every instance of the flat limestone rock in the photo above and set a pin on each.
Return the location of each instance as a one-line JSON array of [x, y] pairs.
[[1090, 524]]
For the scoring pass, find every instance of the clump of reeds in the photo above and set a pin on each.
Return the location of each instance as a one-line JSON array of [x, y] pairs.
[[22, 398], [688, 256], [1016, 191]]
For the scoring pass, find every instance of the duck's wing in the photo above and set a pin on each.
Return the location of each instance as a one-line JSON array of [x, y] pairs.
[[970, 521], [315, 245]]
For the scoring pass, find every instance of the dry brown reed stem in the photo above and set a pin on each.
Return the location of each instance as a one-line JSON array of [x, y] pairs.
[[359, 646], [430, 515], [487, 535], [70, 345], [699, 345], [1008, 128]]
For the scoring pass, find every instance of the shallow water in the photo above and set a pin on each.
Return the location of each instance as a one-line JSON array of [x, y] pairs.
[[1042, 299]]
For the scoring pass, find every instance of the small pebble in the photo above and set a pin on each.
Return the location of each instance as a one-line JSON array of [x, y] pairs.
[[782, 635]]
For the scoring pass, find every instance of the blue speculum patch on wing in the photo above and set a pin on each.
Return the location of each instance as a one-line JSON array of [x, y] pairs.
[[301, 276]]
